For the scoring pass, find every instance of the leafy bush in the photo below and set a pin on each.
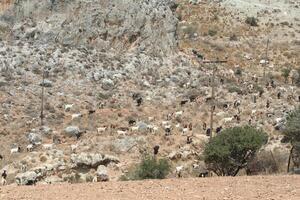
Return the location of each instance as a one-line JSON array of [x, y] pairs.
[[285, 74], [230, 151], [238, 72], [148, 168], [212, 32], [236, 89], [252, 21], [292, 128]]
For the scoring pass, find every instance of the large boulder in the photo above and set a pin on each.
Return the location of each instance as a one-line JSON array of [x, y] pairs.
[[34, 138], [27, 178], [92, 160], [72, 131]]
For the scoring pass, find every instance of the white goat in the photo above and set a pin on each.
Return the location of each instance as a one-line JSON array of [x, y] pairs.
[[76, 116], [74, 147], [101, 129], [15, 150], [134, 128], [68, 107], [178, 114], [178, 171], [121, 132], [227, 120], [30, 147], [48, 146]]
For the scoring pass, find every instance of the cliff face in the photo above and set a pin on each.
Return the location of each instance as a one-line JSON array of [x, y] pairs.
[[124, 25]]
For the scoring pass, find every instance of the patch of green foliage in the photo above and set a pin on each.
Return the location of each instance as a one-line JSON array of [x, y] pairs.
[[252, 21], [148, 168], [230, 151]]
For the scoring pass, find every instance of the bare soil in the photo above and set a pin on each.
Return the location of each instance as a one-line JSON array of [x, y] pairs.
[[255, 187]]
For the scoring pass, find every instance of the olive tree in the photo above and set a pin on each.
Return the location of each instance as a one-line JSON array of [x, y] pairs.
[[292, 134], [228, 153]]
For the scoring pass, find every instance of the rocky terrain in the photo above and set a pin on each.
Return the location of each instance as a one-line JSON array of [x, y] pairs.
[[115, 71]]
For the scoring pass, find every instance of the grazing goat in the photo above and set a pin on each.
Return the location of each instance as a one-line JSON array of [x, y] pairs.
[[120, 132], [74, 147], [155, 149], [48, 146], [134, 128], [227, 120], [76, 116], [183, 102], [68, 107], [178, 171], [101, 129], [178, 114], [131, 122], [15, 150], [208, 132], [30, 147], [219, 129]]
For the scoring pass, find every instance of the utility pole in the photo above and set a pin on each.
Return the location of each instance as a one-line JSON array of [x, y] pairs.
[[212, 109], [42, 96], [266, 61]]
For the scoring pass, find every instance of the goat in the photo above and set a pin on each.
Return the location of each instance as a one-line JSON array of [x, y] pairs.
[[189, 139], [48, 146], [68, 107], [120, 132], [178, 114], [168, 130], [1, 157], [101, 129], [155, 149], [76, 116], [30, 147], [178, 171], [184, 131], [183, 102], [15, 150], [74, 147], [139, 101], [219, 129], [237, 103], [227, 120], [134, 128], [208, 132], [131, 122]]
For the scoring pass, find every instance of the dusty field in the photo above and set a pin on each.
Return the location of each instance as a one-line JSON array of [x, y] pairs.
[[268, 187]]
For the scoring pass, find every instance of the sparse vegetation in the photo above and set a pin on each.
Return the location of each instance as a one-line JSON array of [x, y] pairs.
[[285, 74], [212, 32], [252, 21], [236, 89], [148, 168], [229, 152]]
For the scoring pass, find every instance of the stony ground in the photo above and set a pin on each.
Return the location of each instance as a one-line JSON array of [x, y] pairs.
[[98, 61], [237, 188]]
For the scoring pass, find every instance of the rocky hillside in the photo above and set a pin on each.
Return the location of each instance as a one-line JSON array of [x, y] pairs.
[[116, 73]]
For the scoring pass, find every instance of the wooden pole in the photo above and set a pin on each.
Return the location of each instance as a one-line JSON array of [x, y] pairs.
[[266, 60], [213, 102], [42, 104]]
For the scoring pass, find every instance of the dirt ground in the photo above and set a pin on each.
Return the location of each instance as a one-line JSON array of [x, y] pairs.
[[225, 188]]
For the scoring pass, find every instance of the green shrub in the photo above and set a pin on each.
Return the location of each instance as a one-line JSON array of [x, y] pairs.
[[285, 73], [230, 151], [212, 32], [236, 89], [148, 168], [252, 21]]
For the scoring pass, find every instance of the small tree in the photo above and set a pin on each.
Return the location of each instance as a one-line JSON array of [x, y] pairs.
[[252, 21], [292, 133], [229, 152], [285, 74], [149, 168]]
